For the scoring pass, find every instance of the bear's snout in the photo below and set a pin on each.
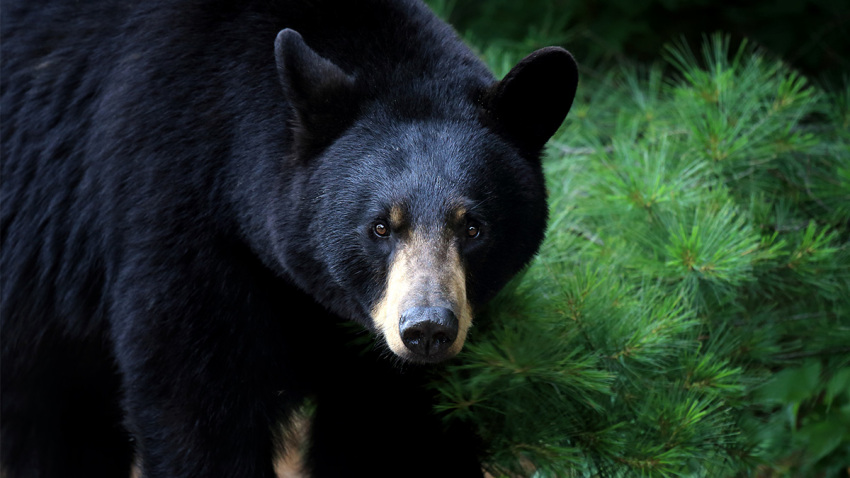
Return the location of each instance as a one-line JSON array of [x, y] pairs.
[[424, 313], [428, 332]]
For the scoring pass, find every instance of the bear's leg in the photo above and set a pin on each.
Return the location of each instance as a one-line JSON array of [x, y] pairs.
[[61, 413], [384, 425], [196, 408], [205, 381], [200, 416]]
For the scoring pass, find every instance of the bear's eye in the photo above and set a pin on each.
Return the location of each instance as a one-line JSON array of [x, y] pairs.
[[381, 229], [473, 230]]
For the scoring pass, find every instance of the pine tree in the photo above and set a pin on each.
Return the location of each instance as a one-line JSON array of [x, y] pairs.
[[689, 312]]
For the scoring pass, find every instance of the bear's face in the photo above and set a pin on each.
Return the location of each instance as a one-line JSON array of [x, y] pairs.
[[414, 221], [426, 226]]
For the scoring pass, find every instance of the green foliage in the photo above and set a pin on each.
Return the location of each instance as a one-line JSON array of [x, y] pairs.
[[689, 313]]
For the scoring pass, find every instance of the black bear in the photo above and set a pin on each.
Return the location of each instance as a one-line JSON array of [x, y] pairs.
[[199, 195]]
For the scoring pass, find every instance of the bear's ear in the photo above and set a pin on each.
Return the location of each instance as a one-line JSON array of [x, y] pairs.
[[533, 99], [320, 92]]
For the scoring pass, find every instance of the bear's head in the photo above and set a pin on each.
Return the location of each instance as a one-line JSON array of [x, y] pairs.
[[411, 203]]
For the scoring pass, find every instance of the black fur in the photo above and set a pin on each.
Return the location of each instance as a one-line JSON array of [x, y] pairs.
[[187, 194]]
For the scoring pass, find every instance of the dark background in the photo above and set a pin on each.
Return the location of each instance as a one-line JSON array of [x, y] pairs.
[[811, 35]]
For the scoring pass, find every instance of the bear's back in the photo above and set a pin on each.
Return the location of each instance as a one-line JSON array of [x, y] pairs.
[[119, 118]]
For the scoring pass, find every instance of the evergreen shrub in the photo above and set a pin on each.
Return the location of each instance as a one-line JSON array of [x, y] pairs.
[[689, 313]]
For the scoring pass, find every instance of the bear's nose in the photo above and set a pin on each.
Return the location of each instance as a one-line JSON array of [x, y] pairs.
[[428, 331]]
